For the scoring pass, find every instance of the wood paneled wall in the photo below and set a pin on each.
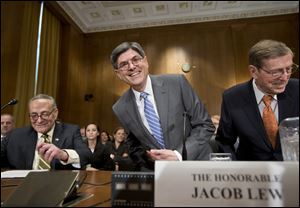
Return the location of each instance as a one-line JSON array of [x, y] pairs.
[[11, 25], [217, 52]]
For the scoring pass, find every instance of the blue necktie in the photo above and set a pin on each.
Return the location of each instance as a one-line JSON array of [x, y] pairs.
[[153, 120]]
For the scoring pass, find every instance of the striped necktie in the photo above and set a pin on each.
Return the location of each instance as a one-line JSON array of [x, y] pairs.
[[44, 165], [269, 120], [153, 120]]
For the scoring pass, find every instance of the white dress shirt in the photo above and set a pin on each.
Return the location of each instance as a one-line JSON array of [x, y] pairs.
[[261, 105], [140, 105]]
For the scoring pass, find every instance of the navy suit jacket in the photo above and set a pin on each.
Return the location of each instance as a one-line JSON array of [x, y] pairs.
[[18, 149], [240, 117]]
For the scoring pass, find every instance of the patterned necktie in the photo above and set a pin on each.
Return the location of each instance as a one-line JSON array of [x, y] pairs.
[[153, 120], [44, 165], [46, 138], [270, 121]]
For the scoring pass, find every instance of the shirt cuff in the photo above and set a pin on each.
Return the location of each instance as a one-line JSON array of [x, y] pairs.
[[73, 157], [178, 155]]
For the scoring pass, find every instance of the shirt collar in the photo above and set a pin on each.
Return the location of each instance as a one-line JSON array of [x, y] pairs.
[[50, 133], [259, 94], [148, 89]]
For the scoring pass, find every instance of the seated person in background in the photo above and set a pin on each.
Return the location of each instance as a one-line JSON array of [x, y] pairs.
[[246, 111], [7, 124], [104, 137], [100, 152], [215, 119], [82, 132], [58, 144], [119, 151], [214, 146]]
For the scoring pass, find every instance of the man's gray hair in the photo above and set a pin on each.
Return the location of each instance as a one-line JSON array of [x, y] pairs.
[[267, 49], [44, 96], [123, 47]]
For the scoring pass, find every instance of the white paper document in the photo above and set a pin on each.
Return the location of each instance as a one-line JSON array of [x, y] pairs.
[[17, 173]]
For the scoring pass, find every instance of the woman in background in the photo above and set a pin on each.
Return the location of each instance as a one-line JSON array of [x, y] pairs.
[[104, 137], [100, 152], [119, 151]]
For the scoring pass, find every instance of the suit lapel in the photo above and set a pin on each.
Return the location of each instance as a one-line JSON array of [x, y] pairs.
[[31, 145], [285, 102], [134, 117], [252, 111], [162, 102], [58, 138]]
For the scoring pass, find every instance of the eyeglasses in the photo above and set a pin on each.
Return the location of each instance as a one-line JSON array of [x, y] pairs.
[[44, 115], [279, 72], [124, 66]]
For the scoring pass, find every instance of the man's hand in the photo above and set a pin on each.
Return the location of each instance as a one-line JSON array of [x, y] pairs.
[[50, 151], [162, 154]]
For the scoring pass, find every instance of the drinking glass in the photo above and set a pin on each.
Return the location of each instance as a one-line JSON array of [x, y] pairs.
[[289, 138], [220, 157]]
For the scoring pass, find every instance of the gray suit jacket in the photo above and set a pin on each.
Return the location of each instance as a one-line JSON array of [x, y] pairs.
[[18, 149], [173, 96]]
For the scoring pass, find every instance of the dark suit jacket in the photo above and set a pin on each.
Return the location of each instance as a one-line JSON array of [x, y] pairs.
[[101, 156], [240, 117], [173, 96], [17, 152]]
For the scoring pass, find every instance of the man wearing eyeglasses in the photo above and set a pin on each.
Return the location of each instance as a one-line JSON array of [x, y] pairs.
[[271, 93], [156, 110], [55, 145]]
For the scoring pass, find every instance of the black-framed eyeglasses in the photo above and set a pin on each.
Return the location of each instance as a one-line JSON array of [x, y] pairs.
[[124, 66], [279, 72], [43, 115]]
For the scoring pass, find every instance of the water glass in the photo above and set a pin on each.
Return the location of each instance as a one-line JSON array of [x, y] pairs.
[[289, 138], [220, 157]]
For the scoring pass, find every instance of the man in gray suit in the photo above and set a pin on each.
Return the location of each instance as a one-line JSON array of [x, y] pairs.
[[63, 147], [174, 104]]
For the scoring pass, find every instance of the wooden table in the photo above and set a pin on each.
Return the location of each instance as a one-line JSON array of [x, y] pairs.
[[96, 184]]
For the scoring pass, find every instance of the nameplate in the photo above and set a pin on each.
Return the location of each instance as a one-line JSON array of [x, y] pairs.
[[229, 183]]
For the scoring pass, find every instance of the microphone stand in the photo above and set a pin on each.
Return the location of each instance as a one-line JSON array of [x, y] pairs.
[[11, 102]]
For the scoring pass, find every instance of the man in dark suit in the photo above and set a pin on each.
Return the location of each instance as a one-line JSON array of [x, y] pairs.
[[63, 147], [7, 124], [171, 97], [271, 65]]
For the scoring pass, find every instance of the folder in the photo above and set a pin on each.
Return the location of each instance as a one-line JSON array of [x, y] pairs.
[[39, 189]]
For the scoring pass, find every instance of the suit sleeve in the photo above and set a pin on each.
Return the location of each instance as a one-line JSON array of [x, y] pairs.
[[200, 128], [226, 134]]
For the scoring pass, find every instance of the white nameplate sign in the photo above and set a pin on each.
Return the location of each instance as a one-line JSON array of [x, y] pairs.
[[229, 183]]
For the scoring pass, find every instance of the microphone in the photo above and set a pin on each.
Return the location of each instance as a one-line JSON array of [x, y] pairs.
[[184, 153], [11, 102]]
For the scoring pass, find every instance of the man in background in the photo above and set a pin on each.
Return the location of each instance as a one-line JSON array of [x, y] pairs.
[[7, 124], [251, 111]]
